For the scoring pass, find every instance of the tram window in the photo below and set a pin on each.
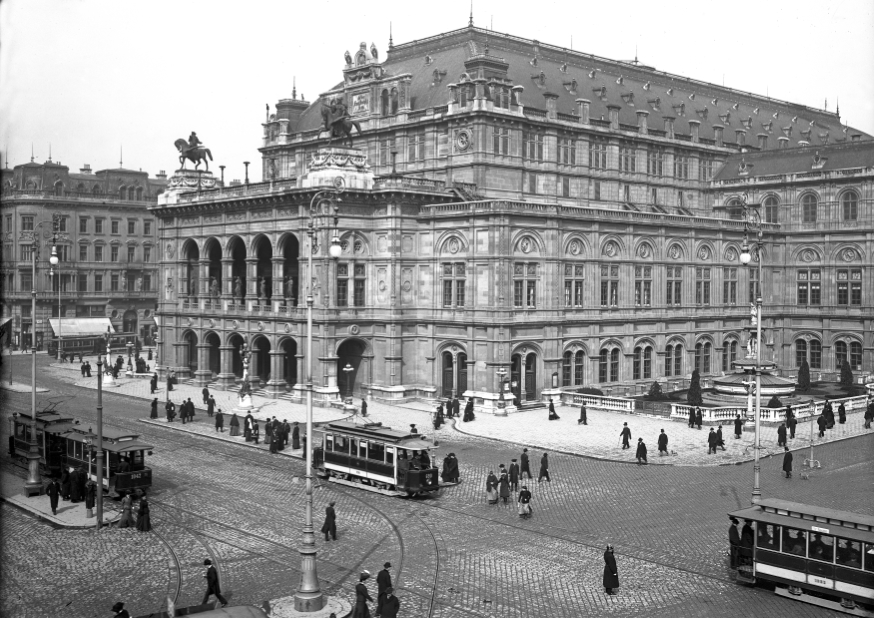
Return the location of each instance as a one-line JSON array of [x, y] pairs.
[[769, 537], [869, 556], [376, 452], [390, 455], [19, 430], [822, 547], [340, 444], [71, 448], [794, 541], [362, 448], [849, 553], [78, 453], [329, 442], [353, 446]]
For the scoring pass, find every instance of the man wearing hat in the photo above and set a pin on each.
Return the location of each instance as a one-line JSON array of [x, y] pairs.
[[212, 584], [330, 525], [361, 597], [390, 605], [120, 611], [514, 476], [383, 583], [733, 542]]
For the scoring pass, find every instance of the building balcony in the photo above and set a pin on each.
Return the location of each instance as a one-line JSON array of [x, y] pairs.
[[67, 196]]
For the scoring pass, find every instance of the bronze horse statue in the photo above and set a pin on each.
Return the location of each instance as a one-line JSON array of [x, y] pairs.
[[195, 155], [338, 123]]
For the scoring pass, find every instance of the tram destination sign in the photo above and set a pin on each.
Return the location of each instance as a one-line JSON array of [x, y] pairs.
[[818, 529]]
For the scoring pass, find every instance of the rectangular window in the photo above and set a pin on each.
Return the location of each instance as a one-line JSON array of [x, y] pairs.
[[83, 253], [627, 159], [598, 154], [681, 166], [702, 286], [61, 223], [25, 252], [654, 196], [114, 226], [26, 286], [82, 283], [655, 161], [147, 228], [98, 253], [113, 253], [98, 226], [416, 151], [386, 146], [674, 286], [573, 284], [567, 151], [342, 285], [447, 293], [849, 287], [532, 182], [454, 282], [808, 283], [113, 283], [83, 225], [729, 286], [754, 288], [532, 146], [596, 190], [358, 291], [705, 168], [63, 252], [147, 254], [501, 141], [459, 292], [565, 186], [609, 285], [131, 226], [27, 223], [98, 283], [642, 286], [525, 285], [131, 253]]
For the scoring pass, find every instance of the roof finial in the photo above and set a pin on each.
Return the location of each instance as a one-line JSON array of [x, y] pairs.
[[31, 152], [391, 42], [120, 156], [838, 107], [572, 41], [470, 21], [826, 104], [635, 53], [294, 86], [50, 152]]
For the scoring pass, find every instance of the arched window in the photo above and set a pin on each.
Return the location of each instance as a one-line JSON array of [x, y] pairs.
[[131, 193], [95, 190], [669, 361], [637, 365], [855, 355], [850, 203], [80, 188], [614, 365], [729, 354], [578, 368], [394, 100], [702, 357], [384, 103], [566, 368], [840, 354], [800, 352], [642, 367], [602, 366], [59, 188], [122, 191], [770, 209], [735, 209], [808, 208], [647, 363], [139, 193], [608, 366], [815, 354], [674, 360]]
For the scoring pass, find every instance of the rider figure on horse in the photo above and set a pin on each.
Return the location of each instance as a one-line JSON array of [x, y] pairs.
[[336, 112], [193, 142]]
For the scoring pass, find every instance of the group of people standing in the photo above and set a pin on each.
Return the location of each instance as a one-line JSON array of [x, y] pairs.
[[387, 604], [499, 487], [143, 522], [453, 410]]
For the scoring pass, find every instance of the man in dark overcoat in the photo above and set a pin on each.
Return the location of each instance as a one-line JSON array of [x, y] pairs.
[[212, 584], [691, 418], [781, 435], [611, 575], [170, 409], [247, 427], [641, 452], [738, 426], [390, 604], [787, 462], [295, 437], [698, 418], [583, 419], [526, 466], [711, 442], [219, 421], [719, 441], [76, 485], [792, 423], [330, 525], [456, 407], [514, 475], [210, 406], [663, 443], [842, 413], [383, 583], [54, 492], [747, 537], [205, 393], [625, 435], [154, 412], [733, 542], [544, 468], [363, 407]]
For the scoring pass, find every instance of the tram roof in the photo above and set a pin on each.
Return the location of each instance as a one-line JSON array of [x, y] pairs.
[[114, 447], [60, 427], [376, 431], [798, 515], [48, 417], [109, 433]]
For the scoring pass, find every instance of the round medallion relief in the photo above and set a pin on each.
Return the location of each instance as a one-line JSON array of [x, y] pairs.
[[848, 255], [407, 286], [354, 330], [675, 252], [576, 247], [644, 251], [462, 140], [453, 245], [704, 253], [808, 255]]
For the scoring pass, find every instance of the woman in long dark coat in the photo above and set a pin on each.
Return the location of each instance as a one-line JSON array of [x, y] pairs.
[[268, 432], [154, 413], [235, 425], [90, 494], [77, 481], [504, 486], [295, 437], [362, 596], [65, 484], [127, 518], [491, 485], [698, 417], [691, 418], [144, 522], [219, 420], [611, 575]]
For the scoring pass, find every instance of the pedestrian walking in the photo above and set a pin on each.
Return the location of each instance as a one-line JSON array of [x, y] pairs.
[[212, 584], [625, 436], [821, 423], [552, 415], [219, 421], [583, 420], [363, 408], [526, 467], [295, 437], [383, 583], [450, 469], [641, 452], [869, 414], [210, 406], [468, 411], [153, 383], [787, 462], [154, 413], [53, 491], [82, 369], [87, 369], [611, 574], [120, 611], [90, 496], [247, 427], [235, 425], [183, 412], [268, 434], [491, 488], [75, 485], [390, 604], [286, 431], [190, 410], [738, 426], [256, 431], [544, 468], [504, 485], [329, 528], [792, 422], [205, 393], [523, 503], [719, 441], [781, 435], [65, 484], [842, 413], [698, 418], [144, 521], [127, 518], [663, 443], [456, 407], [711, 442], [691, 418], [514, 475], [362, 597]]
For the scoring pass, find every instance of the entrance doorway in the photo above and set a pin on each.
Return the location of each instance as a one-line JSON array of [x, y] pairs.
[[523, 377], [351, 352]]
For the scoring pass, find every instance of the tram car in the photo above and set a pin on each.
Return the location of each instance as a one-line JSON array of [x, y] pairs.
[[377, 458], [813, 554], [64, 442]]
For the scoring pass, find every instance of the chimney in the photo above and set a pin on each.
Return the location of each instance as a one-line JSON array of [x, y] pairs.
[[161, 174], [551, 105], [583, 110], [694, 126], [740, 136], [613, 113], [669, 127], [717, 133], [291, 110], [641, 122], [86, 169], [763, 141]]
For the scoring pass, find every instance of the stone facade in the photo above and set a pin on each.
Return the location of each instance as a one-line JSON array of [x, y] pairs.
[[513, 221]]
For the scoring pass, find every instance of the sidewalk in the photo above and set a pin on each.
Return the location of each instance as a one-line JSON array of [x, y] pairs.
[[18, 387], [70, 515]]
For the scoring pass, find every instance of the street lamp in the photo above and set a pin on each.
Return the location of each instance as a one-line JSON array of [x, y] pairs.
[[54, 260], [753, 221], [501, 373], [309, 597], [130, 347], [89, 442], [99, 498], [348, 369]]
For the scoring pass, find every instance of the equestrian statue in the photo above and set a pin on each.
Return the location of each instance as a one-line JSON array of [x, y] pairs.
[[193, 151], [337, 121]]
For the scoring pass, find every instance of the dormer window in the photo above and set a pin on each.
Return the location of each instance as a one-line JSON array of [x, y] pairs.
[[501, 97]]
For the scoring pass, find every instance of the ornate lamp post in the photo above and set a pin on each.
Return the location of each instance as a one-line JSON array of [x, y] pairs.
[[55, 261], [753, 221], [309, 597], [99, 472], [501, 373], [348, 369], [130, 347]]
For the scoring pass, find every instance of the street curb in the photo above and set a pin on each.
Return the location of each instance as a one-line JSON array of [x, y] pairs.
[[800, 448], [55, 521]]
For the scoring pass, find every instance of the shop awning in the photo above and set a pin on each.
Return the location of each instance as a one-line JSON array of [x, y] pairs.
[[81, 327]]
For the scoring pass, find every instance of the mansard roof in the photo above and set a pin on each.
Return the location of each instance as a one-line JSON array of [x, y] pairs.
[[543, 69], [852, 155]]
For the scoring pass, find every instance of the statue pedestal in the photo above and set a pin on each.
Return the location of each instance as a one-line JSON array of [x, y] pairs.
[[341, 168], [186, 181], [244, 404], [109, 381]]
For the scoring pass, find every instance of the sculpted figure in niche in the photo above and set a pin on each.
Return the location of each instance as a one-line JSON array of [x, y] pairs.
[[289, 289], [263, 287], [238, 289], [169, 288], [213, 287]]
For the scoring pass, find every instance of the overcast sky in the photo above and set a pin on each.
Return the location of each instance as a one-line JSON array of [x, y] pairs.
[[91, 76]]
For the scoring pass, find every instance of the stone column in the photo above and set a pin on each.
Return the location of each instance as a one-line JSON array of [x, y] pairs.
[[276, 383], [226, 377], [180, 357], [203, 375], [227, 279]]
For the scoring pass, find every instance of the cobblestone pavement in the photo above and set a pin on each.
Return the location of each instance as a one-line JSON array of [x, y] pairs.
[[454, 554]]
